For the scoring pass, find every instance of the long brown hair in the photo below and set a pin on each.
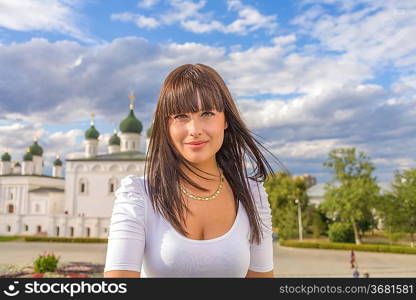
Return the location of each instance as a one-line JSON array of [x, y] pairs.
[[178, 95]]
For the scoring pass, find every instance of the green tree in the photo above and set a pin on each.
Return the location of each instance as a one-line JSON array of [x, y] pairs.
[[283, 190], [387, 210], [352, 193], [402, 203], [315, 221]]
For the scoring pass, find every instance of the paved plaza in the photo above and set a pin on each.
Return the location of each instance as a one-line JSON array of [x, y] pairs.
[[289, 262]]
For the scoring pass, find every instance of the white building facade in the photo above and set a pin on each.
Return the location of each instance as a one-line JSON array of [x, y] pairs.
[[80, 203]]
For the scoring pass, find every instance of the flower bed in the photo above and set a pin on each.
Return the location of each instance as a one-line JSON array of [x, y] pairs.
[[69, 270]]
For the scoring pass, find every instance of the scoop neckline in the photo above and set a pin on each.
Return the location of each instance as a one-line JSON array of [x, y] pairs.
[[219, 238]]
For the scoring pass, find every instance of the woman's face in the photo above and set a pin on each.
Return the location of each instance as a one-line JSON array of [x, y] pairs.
[[198, 136]]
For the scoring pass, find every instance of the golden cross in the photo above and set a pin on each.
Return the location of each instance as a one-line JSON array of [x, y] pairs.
[[132, 99], [92, 121]]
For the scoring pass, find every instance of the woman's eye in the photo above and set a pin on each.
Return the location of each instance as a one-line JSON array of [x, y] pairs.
[[208, 113], [180, 116]]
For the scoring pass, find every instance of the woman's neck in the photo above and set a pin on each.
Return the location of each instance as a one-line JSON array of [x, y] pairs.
[[210, 171]]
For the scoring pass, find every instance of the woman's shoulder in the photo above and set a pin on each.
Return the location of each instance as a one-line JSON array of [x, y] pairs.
[[258, 191], [254, 184], [132, 184], [132, 180]]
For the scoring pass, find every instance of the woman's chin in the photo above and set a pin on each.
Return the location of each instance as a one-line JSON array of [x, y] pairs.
[[196, 160]]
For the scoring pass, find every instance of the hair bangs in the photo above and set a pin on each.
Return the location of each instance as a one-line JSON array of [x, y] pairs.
[[182, 94]]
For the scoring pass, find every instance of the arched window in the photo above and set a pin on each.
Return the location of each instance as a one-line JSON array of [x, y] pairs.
[[38, 228], [134, 144], [10, 208], [8, 228], [88, 232], [96, 168], [112, 185], [131, 168], [57, 230], [71, 231], [83, 186], [26, 227]]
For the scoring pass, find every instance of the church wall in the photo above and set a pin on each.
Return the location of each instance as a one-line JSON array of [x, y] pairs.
[[72, 168], [29, 225], [17, 224], [97, 200], [14, 190], [56, 203], [88, 213], [38, 203]]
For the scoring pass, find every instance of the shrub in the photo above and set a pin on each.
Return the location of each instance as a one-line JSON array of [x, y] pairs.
[[349, 246], [341, 233], [394, 236], [64, 239], [318, 225], [9, 238], [46, 262]]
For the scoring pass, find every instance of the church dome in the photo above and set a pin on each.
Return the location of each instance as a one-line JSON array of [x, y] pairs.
[[131, 124], [149, 131], [114, 139], [35, 149], [92, 133], [6, 157], [57, 162], [28, 156]]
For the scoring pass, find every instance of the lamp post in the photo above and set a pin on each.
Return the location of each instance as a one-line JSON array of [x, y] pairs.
[[299, 220]]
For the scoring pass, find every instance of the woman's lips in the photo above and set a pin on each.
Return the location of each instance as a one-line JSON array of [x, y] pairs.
[[197, 146]]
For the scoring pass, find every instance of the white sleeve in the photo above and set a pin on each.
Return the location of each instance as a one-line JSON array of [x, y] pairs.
[[126, 239], [261, 255]]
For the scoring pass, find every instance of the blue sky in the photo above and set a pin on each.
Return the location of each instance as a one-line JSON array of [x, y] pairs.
[[308, 76]]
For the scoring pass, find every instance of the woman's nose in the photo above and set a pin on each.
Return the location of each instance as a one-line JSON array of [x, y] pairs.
[[194, 127]]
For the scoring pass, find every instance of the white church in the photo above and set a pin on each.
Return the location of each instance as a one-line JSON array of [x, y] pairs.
[[78, 204]]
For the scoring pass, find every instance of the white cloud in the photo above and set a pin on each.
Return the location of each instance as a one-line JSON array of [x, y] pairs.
[[309, 149], [330, 107], [275, 70], [249, 19], [147, 3], [284, 40], [48, 15], [61, 143], [140, 20], [377, 34], [147, 22], [25, 132], [183, 10], [189, 15], [198, 27]]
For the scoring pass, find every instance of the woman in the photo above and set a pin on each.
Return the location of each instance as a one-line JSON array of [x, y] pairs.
[[196, 212]]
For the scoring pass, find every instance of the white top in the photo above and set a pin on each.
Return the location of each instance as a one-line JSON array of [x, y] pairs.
[[138, 234]]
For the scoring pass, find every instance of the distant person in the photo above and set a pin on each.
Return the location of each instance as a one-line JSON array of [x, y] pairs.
[[356, 273], [366, 274], [196, 212], [352, 260]]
